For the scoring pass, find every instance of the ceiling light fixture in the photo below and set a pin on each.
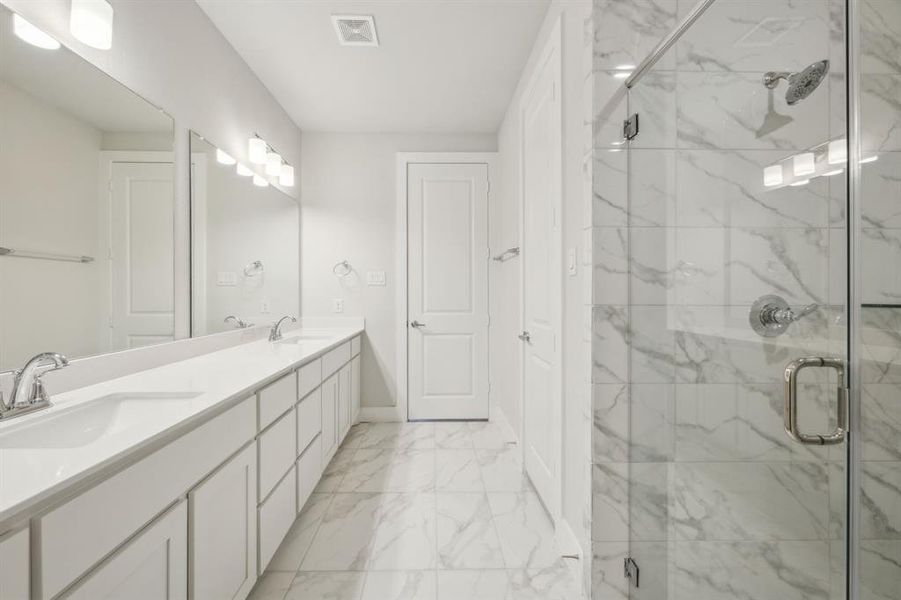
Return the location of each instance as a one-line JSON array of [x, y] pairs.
[[91, 22], [286, 177], [243, 171], [224, 158], [256, 150], [27, 32]]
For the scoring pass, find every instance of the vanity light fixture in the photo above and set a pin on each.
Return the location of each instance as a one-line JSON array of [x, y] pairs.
[[256, 150], [804, 164], [273, 164], [260, 181], [800, 183], [623, 71], [869, 159], [838, 152], [91, 22], [243, 171], [833, 173], [772, 176], [223, 158], [286, 177], [27, 32]]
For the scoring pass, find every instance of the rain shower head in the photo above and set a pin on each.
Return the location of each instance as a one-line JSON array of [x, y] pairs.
[[800, 85]]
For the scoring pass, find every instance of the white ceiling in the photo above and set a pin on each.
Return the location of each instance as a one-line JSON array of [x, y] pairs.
[[442, 66]]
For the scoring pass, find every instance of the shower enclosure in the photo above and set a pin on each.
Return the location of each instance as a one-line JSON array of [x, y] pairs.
[[762, 245]]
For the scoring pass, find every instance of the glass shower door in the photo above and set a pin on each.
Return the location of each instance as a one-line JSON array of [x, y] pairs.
[[737, 244]]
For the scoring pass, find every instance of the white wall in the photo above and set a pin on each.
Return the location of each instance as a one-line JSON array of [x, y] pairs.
[[170, 53], [506, 300], [350, 197], [33, 135]]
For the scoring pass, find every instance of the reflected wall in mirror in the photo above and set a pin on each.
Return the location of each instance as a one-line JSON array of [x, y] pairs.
[[245, 246], [86, 208]]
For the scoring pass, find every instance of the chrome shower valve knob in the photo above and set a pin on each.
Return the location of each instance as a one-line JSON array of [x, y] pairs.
[[771, 315]]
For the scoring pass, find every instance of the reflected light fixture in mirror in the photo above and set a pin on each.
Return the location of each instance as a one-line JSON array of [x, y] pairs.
[[243, 170], [224, 158], [260, 181], [32, 35], [256, 150], [91, 22], [273, 164], [286, 177]]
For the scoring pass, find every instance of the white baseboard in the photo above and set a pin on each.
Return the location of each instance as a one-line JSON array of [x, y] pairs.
[[380, 414], [496, 415]]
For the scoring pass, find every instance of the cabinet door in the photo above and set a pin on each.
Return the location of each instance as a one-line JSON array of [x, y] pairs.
[[329, 417], [14, 560], [343, 401], [224, 530], [355, 396], [152, 566]]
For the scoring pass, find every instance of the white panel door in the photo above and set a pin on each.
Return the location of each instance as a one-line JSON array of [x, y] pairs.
[[448, 291], [542, 288], [141, 254]]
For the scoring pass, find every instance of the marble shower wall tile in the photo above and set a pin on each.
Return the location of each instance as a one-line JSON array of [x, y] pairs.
[[610, 274], [880, 569], [627, 30], [610, 434], [880, 99], [881, 247], [880, 36], [607, 581], [609, 341], [610, 503], [881, 191], [881, 421], [652, 180], [881, 501]]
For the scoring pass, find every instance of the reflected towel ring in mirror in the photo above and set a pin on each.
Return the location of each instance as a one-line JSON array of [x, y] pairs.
[[253, 269], [342, 269]]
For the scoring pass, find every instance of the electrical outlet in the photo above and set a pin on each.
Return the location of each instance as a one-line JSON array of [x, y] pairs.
[[265, 309], [376, 278], [338, 305]]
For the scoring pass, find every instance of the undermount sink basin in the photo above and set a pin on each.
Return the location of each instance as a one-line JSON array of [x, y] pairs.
[[305, 337], [87, 423]]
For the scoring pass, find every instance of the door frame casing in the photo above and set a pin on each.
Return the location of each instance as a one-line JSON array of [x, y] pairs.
[[552, 53], [399, 412]]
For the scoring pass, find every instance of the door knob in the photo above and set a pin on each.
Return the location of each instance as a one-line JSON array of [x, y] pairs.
[[417, 324], [524, 336]]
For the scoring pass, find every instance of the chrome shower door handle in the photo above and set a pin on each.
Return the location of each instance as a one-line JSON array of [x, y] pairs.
[[524, 336], [790, 414], [417, 325]]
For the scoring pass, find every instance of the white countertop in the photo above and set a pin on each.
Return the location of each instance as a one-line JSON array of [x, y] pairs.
[[206, 384]]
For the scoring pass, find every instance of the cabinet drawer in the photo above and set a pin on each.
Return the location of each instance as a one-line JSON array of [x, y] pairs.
[[335, 359], [277, 452], [276, 398], [309, 468], [309, 419], [73, 537], [356, 345], [309, 377], [14, 560], [276, 515]]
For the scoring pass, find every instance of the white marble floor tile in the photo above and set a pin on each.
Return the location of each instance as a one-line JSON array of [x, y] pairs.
[[405, 536], [502, 470], [345, 534], [467, 538], [387, 470], [400, 585], [272, 586], [526, 532], [296, 543], [453, 435], [327, 586], [457, 471], [488, 435], [334, 471], [478, 584], [554, 583], [398, 436]]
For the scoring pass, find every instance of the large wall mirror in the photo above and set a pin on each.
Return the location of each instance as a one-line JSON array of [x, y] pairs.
[[86, 207], [245, 245]]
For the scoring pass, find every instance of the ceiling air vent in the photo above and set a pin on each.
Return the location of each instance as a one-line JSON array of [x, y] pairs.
[[355, 30]]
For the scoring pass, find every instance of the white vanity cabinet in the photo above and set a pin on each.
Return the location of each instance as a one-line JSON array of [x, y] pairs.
[[223, 530], [14, 572], [355, 395], [151, 566], [329, 418], [344, 400]]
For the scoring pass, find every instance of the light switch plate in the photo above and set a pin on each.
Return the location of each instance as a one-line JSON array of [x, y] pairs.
[[265, 309], [226, 278], [376, 278], [338, 305]]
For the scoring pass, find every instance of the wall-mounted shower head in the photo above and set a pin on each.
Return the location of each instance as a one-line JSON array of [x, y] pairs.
[[800, 85]]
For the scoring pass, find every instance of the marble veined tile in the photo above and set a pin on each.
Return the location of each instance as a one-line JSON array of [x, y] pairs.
[[467, 538], [610, 348], [502, 470], [375, 531], [473, 584], [654, 98], [751, 571], [610, 270], [627, 30], [607, 581], [881, 500], [750, 501], [326, 586], [552, 583], [880, 569], [652, 422], [880, 36], [457, 471], [389, 470], [610, 432], [400, 585], [398, 436], [298, 539], [334, 471], [881, 192], [452, 435], [881, 247], [653, 187], [881, 421], [488, 435], [525, 530], [880, 99], [272, 585]]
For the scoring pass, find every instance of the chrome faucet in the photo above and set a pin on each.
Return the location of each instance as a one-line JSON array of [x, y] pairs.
[[28, 390], [771, 315], [239, 323], [275, 334]]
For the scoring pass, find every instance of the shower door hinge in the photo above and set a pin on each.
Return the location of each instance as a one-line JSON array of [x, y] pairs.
[[630, 570], [630, 127]]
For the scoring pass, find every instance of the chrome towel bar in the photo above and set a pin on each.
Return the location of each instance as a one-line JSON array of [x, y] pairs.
[[45, 255]]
